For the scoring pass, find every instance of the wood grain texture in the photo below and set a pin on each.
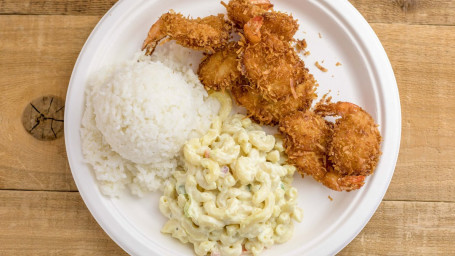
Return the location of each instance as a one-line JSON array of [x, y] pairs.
[[436, 12], [423, 59], [407, 228], [56, 7], [50, 223], [431, 12], [37, 55]]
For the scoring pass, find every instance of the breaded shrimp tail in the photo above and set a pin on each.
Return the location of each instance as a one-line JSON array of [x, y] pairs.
[[206, 34]]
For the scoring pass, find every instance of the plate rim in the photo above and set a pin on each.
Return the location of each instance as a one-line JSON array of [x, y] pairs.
[[370, 42]]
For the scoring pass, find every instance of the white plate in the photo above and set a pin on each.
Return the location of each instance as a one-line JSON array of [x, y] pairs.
[[365, 78]]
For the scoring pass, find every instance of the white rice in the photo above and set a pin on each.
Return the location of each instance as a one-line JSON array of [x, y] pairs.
[[138, 116]]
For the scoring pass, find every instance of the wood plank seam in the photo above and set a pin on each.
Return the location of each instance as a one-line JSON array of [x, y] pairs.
[[39, 190]]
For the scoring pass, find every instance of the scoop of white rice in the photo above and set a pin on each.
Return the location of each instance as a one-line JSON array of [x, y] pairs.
[[146, 112], [138, 116]]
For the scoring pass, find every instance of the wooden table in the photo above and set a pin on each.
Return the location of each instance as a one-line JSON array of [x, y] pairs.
[[41, 212]]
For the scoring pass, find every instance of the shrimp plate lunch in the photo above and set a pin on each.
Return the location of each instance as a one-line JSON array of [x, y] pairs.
[[241, 127]]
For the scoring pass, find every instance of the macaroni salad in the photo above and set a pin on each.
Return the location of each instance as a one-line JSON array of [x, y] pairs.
[[234, 193]]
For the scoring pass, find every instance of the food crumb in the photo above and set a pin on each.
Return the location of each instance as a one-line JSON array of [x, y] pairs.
[[300, 45], [331, 199], [320, 67], [338, 64], [307, 53], [320, 36]]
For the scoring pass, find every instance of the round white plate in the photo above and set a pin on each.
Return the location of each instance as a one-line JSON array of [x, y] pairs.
[[365, 78]]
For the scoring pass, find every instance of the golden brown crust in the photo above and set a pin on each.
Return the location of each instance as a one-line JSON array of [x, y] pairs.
[[355, 144], [267, 111], [275, 69], [306, 142], [281, 24], [241, 11], [338, 155], [305, 131], [206, 34], [219, 71]]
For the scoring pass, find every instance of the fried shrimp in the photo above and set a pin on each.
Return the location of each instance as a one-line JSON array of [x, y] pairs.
[[274, 67], [278, 23], [266, 111], [279, 83], [207, 34], [252, 29], [354, 149], [307, 141], [241, 11], [219, 71], [281, 24]]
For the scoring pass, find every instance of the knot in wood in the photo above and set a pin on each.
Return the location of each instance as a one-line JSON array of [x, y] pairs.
[[406, 5], [43, 117]]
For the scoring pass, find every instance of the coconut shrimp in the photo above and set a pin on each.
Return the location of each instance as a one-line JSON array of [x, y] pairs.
[[272, 65], [275, 69], [219, 71], [355, 146], [339, 155], [241, 11], [279, 24], [267, 111], [207, 34]]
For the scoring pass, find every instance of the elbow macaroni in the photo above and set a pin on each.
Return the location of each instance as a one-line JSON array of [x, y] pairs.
[[235, 191]]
